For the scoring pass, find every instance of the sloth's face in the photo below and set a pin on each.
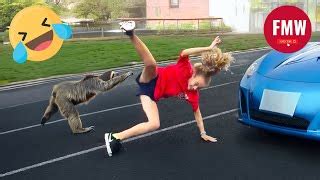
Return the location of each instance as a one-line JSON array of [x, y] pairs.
[[107, 75]]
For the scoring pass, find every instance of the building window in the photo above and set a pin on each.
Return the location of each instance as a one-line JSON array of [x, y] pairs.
[[174, 3]]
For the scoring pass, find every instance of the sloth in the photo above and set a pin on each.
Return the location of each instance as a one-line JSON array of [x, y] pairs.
[[66, 95]]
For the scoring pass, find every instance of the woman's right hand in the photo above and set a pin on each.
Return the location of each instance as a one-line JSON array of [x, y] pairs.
[[208, 138]]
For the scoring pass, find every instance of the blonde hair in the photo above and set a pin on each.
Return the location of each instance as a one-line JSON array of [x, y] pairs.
[[213, 61]]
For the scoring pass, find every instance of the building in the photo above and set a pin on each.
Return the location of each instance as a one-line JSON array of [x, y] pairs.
[[180, 9], [249, 15], [235, 13], [240, 15]]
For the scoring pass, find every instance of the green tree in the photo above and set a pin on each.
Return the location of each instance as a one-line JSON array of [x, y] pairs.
[[118, 8], [57, 8], [96, 9], [7, 12], [135, 8], [9, 8], [100, 9]]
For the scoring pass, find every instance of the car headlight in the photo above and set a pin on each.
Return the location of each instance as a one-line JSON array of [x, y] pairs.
[[253, 67]]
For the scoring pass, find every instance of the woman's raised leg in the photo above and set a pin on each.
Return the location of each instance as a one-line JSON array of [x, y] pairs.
[[149, 71]]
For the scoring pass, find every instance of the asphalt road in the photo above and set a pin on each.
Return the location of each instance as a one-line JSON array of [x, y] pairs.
[[29, 151]]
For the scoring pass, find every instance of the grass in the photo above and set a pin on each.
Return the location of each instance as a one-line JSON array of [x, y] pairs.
[[89, 55]]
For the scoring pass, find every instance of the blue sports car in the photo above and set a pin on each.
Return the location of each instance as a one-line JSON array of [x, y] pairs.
[[281, 92]]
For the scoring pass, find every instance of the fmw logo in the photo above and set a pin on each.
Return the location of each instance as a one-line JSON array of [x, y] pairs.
[[288, 27]]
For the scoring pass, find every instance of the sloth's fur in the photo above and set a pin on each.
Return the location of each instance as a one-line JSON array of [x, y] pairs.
[[66, 95]]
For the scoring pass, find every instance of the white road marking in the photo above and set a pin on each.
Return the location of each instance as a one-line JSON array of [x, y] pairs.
[[46, 81], [59, 120], [101, 111], [71, 76], [223, 84], [103, 146], [22, 104]]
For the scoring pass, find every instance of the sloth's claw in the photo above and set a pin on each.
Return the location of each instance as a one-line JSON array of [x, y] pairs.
[[43, 120], [91, 128]]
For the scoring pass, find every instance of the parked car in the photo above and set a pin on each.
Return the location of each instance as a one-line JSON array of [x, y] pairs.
[[280, 92]]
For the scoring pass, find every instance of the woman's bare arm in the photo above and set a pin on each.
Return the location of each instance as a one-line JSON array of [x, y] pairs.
[[199, 120], [199, 50]]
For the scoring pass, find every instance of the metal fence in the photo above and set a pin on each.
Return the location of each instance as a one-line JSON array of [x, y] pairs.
[[146, 27], [153, 26]]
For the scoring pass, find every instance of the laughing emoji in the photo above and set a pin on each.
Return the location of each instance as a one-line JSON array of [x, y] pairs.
[[36, 33]]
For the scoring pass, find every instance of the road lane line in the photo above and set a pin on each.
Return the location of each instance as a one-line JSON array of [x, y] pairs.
[[102, 146], [178, 125], [219, 85], [22, 104], [101, 111], [41, 82], [13, 106], [59, 120]]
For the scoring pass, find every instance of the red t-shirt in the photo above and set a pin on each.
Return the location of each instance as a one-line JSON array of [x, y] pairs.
[[173, 82]]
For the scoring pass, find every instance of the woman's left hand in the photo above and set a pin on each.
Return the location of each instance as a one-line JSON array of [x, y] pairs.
[[209, 138], [215, 42]]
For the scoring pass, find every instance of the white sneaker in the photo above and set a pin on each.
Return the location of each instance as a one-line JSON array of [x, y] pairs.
[[127, 25], [113, 145]]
